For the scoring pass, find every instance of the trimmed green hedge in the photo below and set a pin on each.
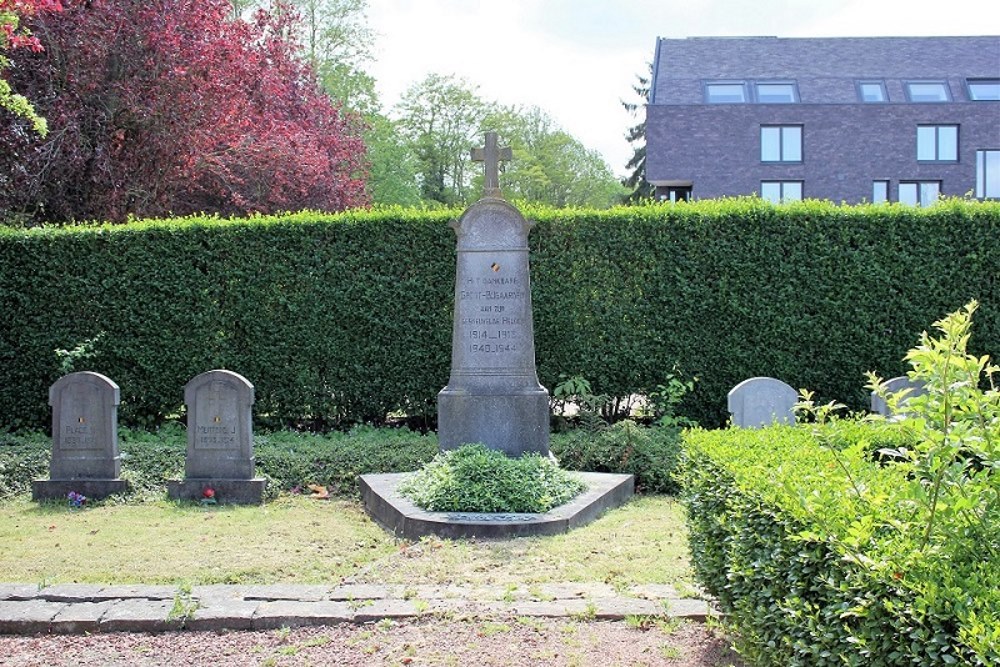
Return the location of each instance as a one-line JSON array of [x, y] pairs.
[[345, 319], [811, 574]]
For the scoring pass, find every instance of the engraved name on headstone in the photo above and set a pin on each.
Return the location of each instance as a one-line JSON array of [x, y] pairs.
[[493, 395]]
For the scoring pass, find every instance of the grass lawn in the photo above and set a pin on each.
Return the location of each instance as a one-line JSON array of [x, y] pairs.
[[298, 539]]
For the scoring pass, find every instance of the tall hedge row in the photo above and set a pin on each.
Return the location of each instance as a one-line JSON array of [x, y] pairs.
[[339, 319]]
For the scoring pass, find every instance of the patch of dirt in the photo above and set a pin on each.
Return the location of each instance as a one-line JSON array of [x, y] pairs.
[[510, 642]]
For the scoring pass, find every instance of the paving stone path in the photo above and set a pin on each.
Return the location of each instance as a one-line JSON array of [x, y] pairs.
[[83, 608]]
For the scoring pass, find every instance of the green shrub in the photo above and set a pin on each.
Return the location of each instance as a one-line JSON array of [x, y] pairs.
[[346, 319], [821, 556], [474, 478], [649, 453]]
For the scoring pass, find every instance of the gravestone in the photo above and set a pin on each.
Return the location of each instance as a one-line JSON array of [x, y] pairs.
[[894, 386], [762, 401], [219, 440], [493, 395], [85, 456]]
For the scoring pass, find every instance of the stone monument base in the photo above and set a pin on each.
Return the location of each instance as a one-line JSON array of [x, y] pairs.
[[515, 424], [401, 517], [227, 491], [58, 489]]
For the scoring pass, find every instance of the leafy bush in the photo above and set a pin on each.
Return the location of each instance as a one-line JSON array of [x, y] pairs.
[[346, 319], [649, 453], [474, 478], [821, 556]]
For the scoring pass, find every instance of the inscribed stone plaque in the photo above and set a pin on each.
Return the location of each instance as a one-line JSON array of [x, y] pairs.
[[762, 401], [84, 427], [894, 386], [220, 426]]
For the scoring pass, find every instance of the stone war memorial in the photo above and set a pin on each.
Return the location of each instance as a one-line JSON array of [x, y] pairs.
[[85, 458], [219, 441], [493, 395]]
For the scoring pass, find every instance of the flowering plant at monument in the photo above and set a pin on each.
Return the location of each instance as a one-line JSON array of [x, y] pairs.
[[208, 496], [76, 499]]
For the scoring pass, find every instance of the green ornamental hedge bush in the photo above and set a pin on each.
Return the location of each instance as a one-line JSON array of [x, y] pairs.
[[345, 319], [820, 554]]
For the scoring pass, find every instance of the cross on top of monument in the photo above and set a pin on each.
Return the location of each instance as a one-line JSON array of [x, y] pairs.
[[492, 154]]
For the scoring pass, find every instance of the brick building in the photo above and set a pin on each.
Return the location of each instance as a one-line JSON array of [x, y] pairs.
[[845, 119]]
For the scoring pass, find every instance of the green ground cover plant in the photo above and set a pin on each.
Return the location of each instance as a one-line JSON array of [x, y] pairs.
[[474, 478], [821, 553]]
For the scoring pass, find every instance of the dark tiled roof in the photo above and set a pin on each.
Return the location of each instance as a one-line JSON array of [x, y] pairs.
[[825, 68]]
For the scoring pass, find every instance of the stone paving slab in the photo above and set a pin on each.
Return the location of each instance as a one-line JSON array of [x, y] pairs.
[[73, 593], [18, 591], [28, 616], [293, 613], [125, 591], [363, 592], [223, 614], [303, 592], [80, 617], [139, 615]]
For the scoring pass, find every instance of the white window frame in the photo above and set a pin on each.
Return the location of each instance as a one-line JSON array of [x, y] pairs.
[[880, 191], [782, 186], [935, 153], [884, 94], [792, 88], [985, 187], [908, 86], [990, 85], [919, 195], [785, 141], [707, 92]]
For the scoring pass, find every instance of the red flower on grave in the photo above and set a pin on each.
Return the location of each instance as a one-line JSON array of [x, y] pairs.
[[209, 492]]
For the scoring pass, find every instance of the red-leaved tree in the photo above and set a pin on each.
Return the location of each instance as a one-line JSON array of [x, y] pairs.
[[169, 107]]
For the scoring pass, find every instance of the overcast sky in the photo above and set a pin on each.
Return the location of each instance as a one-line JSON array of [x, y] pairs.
[[577, 59]]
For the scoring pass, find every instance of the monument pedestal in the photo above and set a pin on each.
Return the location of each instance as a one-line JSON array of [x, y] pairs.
[[227, 491], [59, 489], [514, 423]]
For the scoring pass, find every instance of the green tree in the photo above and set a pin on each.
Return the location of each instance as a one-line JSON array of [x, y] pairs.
[[441, 118], [14, 35], [551, 166], [393, 165], [639, 187]]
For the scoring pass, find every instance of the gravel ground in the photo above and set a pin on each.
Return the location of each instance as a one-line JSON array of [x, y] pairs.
[[509, 642]]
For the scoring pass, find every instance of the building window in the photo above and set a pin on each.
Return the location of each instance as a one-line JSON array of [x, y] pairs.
[[777, 192], [937, 143], [919, 193], [983, 89], [927, 91], [872, 91], [781, 143], [732, 92], [776, 93], [988, 174], [880, 192]]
